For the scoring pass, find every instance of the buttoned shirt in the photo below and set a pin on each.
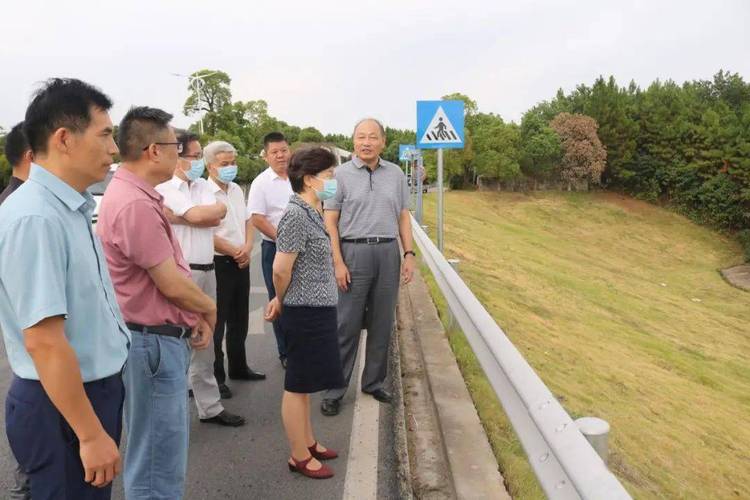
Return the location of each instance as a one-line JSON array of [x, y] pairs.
[[302, 231], [197, 243], [269, 196], [52, 264], [370, 201], [233, 225], [137, 236]]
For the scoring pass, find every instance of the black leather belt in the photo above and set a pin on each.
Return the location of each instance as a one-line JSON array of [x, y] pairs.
[[167, 330], [202, 267], [369, 241]]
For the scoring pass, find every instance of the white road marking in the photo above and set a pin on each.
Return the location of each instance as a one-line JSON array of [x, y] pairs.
[[361, 481]]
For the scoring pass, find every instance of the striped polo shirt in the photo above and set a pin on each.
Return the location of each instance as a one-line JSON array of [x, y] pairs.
[[370, 201]]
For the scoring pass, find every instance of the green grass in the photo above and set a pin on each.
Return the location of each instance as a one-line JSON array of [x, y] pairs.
[[619, 308]]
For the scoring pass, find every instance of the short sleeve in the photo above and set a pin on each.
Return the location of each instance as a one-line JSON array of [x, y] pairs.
[[404, 193], [291, 235], [141, 233], [256, 200], [33, 262], [337, 201], [174, 199]]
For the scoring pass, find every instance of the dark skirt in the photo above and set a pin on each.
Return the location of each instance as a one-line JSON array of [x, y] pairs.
[[312, 346]]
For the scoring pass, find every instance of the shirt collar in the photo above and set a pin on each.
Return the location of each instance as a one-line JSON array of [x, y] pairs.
[[215, 186], [359, 163], [129, 177], [61, 189], [177, 182]]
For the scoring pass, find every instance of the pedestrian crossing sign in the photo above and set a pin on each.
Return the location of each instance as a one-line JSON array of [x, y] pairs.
[[406, 151], [440, 124]]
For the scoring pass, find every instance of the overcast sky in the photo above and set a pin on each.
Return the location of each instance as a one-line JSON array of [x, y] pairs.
[[326, 64]]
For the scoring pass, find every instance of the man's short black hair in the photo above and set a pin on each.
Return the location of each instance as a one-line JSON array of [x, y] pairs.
[[185, 137], [61, 103], [308, 161], [141, 127], [273, 137], [16, 145]]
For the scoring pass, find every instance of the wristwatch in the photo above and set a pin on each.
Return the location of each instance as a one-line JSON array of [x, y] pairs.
[[409, 252]]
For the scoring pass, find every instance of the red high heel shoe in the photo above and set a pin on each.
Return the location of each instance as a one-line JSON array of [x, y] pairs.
[[300, 466], [322, 455]]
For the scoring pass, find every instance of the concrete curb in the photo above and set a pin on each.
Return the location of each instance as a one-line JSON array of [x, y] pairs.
[[402, 451], [473, 470]]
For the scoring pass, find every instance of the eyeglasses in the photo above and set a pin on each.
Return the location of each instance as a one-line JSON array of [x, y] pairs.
[[178, 144], [195, 156]]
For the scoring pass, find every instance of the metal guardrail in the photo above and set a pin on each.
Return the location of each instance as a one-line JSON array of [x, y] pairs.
[[564, 462]]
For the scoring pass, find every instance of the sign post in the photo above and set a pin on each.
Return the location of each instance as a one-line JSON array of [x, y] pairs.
[[440, 125]]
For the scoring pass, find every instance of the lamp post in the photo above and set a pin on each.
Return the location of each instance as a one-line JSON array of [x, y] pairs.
[[197, 82]]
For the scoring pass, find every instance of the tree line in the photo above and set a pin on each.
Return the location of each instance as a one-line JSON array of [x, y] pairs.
[[684, 145]]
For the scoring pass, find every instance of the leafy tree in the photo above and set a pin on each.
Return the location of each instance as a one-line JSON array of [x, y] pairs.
[[210, 96], [583, 154], [540, 147], [310, 134], [498, 147], [458, 163]]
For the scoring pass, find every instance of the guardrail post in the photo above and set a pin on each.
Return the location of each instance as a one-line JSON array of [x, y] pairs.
[[451, 319], [596, 432]]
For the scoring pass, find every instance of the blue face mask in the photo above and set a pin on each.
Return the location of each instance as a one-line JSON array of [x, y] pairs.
[[196, 170], [329, 189], [227, 174]]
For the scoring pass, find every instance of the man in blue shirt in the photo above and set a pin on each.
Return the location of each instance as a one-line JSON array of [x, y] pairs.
[[64, 334]]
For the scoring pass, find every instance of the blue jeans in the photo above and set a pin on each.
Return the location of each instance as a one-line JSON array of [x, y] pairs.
[[268, 253], [156, 417]]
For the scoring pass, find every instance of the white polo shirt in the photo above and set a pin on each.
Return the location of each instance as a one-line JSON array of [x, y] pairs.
[[232, 227], [197, 243], [269, 196]]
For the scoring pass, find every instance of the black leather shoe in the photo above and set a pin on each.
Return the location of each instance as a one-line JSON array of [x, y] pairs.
[[226, 419], [330, 407], [248, 375], [381, 395], [224, 391]]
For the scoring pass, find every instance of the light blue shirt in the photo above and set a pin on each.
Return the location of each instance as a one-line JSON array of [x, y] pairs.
[[52, 264]]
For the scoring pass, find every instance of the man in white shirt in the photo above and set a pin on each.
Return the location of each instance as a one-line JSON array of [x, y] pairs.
[[268, 198], [233, 241], [194, 212]]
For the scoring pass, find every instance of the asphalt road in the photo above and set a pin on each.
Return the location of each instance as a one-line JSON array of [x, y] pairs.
[[249, 462]]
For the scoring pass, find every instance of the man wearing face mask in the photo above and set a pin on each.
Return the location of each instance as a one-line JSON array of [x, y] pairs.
[[233, 241], [193, 211]]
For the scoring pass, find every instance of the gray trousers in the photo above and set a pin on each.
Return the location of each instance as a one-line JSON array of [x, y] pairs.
[[201, 372], [370, 303]]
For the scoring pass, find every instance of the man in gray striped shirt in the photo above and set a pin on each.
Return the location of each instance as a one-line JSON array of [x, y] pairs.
[[365, 218]]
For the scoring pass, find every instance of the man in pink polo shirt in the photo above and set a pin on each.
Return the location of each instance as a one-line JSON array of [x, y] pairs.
[[165, 311]]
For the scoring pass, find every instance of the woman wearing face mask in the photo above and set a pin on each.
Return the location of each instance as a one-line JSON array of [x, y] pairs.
[[306, 298]]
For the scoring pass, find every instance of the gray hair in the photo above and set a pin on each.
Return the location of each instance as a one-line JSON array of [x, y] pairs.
[[370, 119], [215, 148]]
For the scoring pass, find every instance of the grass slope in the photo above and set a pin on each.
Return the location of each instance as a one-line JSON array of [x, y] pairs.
[[618, 306]]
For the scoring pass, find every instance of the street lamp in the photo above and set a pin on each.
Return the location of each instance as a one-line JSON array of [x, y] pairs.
[[197, 82]]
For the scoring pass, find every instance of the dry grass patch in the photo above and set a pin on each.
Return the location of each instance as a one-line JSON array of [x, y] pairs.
[[619, 306]]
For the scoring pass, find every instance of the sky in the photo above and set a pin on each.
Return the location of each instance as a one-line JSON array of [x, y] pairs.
[[327, 64]]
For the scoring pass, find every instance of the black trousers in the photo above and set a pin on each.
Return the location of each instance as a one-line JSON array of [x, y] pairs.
[[233, 309], [44, 444]]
